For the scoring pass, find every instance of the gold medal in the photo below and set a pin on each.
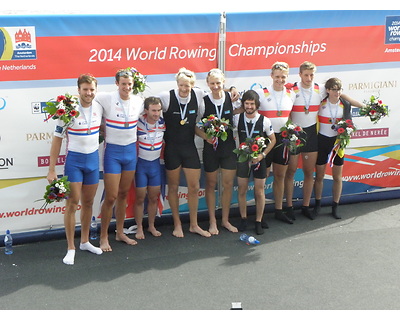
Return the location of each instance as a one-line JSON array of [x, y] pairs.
[[152, 148], [182, 122]]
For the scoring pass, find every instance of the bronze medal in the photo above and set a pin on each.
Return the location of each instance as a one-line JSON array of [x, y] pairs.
[[279, 113], [306, 111]]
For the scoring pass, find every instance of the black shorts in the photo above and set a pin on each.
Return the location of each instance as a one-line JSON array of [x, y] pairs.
[[244, 170], [276, 154], [184, 155], [325, 145], [310, 140], [215, 159]]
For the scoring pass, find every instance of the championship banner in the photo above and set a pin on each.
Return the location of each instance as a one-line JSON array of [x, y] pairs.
[[359, 47], [41, 57]]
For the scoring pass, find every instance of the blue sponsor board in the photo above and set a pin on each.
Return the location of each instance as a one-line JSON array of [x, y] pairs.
[[392, 34]]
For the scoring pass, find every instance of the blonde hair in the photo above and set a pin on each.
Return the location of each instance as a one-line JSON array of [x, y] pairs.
[[216, 73], [307, 65], [280, 66], [186, 74]]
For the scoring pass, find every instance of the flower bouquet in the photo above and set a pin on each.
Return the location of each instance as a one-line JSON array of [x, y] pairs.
[[139, 80], [64, 108], [215, 128], [374, 109], [251, 148], [56, 191], [344, 129], [291, 139]]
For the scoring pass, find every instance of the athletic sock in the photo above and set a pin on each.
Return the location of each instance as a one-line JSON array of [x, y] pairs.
[[87, 246], [69, 257]]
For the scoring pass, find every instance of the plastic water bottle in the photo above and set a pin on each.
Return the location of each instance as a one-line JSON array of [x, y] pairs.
[[8, 242], [248, 239], [93, 229]]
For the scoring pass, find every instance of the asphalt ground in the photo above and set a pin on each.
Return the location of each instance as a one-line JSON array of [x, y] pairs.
[[324, 264]]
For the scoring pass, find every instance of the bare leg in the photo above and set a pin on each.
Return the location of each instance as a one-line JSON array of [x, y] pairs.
[[111, 183], [289, 178], [120, 206], [173, 200], [211, 183], [227, 188], [259, 195], [242, 192], [278, 184], [139, 208], [69, 221], [88, 194], [337, 182], [319, 181], [193, 182], [309, 160], [153, 194]]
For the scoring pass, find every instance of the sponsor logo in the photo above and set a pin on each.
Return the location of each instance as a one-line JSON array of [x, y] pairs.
[[17, 43]]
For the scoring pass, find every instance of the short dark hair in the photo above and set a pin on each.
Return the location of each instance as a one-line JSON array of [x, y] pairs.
[[333, 83], [151, 100], [251, 95]]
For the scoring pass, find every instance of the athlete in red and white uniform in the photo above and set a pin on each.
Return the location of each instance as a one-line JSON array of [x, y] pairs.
[[276, 104], [333, 109], [304, 114]]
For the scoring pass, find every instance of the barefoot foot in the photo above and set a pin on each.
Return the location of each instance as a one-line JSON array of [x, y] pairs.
[[105, 245], [229, 227], [213, 229], [154, 232], [139, 234], [124, 238], [200, 231], [178, 232]]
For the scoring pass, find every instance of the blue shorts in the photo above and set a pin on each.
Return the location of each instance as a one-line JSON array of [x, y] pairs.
[[81, 167], [120, 158], [148, 173]]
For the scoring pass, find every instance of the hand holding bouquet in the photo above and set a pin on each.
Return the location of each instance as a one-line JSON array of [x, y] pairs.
[[215, 129], [344, 129], [57, 191], [251, 148], [64, 108], [291, 137], [374, 109]]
